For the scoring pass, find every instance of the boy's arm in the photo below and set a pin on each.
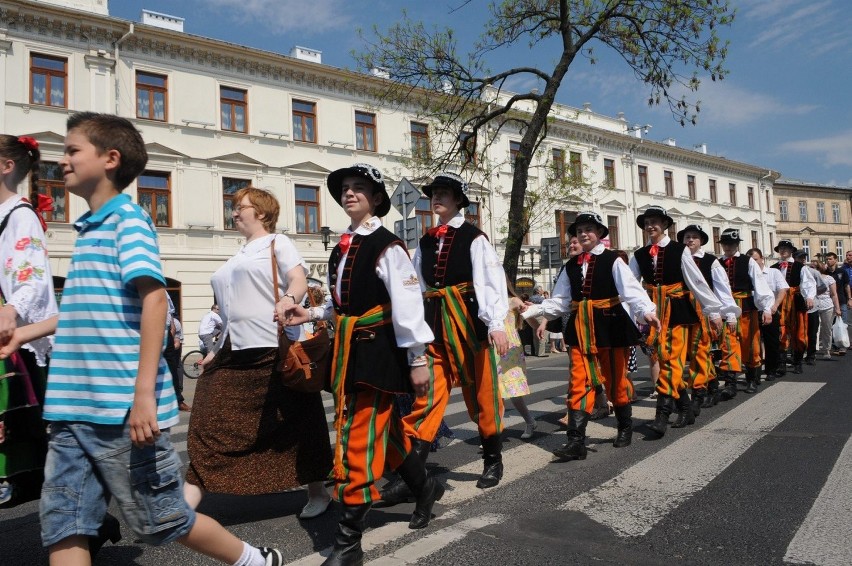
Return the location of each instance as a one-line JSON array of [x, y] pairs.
[[143, 414], [28, 333]]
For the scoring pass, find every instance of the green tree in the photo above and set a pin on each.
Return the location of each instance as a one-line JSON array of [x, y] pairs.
[[666, 43]]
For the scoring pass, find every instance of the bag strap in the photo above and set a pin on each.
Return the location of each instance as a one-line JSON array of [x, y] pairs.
[[283, 339], [14, 208]]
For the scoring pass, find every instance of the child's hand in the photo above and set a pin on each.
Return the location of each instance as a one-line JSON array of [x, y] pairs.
[[144, 429], [8, 323], [11, 346], [2, 432]]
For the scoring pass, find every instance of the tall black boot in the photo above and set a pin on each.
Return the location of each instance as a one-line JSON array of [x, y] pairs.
[[347, 540], [665, 405], [730, 389], [397, 491], [624, 436], [752, 379], [781, 370], [575, 448], [712, 394], [699, 397], [684, 411], [492, 470], [426, 490]]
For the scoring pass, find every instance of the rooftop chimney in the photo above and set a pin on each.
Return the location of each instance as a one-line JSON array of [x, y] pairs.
[[306, 54], [670, 141], [700, 148], [164, 21]]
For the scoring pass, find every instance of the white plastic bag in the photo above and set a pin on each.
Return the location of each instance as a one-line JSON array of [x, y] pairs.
[[839, 333]]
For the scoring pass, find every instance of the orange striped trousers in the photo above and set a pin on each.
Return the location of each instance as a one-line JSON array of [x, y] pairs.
[[371, 434], [607, 367], [481, 396], [732, 359], [794, 324], [748, 333], [673, 366], [701, 368]]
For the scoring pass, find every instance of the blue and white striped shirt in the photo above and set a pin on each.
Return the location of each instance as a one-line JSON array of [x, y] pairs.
[[95, 359]]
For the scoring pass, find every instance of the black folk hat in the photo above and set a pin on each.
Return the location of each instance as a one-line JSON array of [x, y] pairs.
[[372, 174], [654, 210], [730, 236], [450, 181], [588, 217], [786, 244], [693, 228]]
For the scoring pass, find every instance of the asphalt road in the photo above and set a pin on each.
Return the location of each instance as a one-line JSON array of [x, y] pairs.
[[761, 479]]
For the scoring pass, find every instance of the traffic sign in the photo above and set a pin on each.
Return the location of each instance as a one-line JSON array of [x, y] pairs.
[[404, 197], [550, 253], [412, 234]]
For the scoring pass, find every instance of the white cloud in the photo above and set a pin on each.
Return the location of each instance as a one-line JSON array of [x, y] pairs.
[[287, 16], [831, 150], [803, 23]]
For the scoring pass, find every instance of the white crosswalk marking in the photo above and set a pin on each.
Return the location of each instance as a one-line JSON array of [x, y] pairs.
[[821, 537], [635, 500]]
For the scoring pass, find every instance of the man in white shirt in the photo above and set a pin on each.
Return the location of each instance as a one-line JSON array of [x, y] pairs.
[[770, 334], [209, 329]]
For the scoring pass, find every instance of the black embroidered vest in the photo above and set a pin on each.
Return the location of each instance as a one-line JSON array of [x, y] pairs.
[[794, 279], [705, 266], [669, 271], [739, 279]]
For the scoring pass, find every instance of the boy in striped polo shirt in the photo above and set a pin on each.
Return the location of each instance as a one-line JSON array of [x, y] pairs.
[[110, 400]]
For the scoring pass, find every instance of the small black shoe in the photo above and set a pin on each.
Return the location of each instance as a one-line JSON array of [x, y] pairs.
[[770, 376], [574, 449], [491, 476], [394, 493], [730, 390], [624, 416], [433, 490], [810, 361], [665, 405], [797, 368], [751, 387], [699, 397], [685, 416]]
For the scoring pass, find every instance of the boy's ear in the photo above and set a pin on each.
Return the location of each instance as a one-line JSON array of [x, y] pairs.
[[113, 159]]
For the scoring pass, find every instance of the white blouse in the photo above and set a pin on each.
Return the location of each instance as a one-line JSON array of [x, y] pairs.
[[243, 290], [27, 282]]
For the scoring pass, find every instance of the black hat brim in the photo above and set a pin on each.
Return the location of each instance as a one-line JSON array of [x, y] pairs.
[[335, 187], [701, 234], [465, 202], [640, 220], [572, 228]]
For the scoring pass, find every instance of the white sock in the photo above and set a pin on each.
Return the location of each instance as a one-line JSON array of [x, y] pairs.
[[250, 557]]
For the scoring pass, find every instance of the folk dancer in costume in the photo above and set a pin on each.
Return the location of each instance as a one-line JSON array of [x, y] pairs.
[[670, 275], [702, 372], [770, 334], [755, 298], [599, 332], [378, 351], [794, 310], [466, 303]]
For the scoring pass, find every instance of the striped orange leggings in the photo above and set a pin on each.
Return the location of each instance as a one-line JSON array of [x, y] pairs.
[[371, 435], [482, 396], [794, 333], [672, 370], [748, 332], [701, 369], [608, 367], [732, 359]]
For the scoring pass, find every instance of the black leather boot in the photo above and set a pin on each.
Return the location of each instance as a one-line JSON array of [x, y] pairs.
[[730, 389], [712, 397], [699, 397], [397, 491], [665, 405], [623, 415], [752, 380], [684, 411], [347, 540], [110, 530], [492, 471], [425, 489], [575, 448]]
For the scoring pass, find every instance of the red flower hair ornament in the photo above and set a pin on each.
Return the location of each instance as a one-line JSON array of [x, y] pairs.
[[28, 142]]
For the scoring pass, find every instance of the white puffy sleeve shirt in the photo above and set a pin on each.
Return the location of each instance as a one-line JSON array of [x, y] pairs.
[[243, 289], [27, 282], [722, 289]]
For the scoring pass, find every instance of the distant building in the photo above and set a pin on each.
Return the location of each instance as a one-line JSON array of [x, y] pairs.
[[217, 116], [817, 218]]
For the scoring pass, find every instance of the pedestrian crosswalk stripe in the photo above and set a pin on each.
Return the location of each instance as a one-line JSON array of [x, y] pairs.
[[433, 542], [824, 535], [635, 500]]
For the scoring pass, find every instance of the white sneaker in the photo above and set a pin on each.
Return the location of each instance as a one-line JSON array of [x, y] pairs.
[[5, 492], [528, 431], [316, 506]]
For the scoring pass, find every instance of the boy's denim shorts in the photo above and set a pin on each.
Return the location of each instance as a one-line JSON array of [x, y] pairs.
[[88, 463]]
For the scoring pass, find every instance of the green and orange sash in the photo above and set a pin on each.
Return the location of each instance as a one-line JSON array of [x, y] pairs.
[[459, 333], [584, 322], [662, 296]]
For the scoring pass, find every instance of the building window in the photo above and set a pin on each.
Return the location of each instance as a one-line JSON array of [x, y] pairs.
[[835, 213], [668, 181], [51, 183], [151, 91], [690, 186], [806, 246], [307, 209], [716, 247], [233, 103], [48, 79], [838, 247], [643, 178], [153, 193], [558, 157], [467, 148], [609, 173], [732, 192], [471, 214], [803, 211], [823, 248], [782, 210], [420, 140], [714, 198], [754, 239], [423, 214], [365, 131], [612, 224], [820, 211], [564, 219], [229, 189], [751, 199], [576, 161], [514, 149], [672, 232], [305, 121]]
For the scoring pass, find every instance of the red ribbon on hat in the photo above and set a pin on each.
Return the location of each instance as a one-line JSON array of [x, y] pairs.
[[28, 142], [44, 204], [438, 232], [345, 241], [583, 258]]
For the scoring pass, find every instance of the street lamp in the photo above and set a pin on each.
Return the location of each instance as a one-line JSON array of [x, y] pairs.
[[325, 233]]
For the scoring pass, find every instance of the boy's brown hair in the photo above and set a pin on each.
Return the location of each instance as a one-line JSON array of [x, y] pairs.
[[107, 132]]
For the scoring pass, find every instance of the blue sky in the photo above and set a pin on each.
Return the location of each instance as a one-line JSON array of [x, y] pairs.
[[785, 105]]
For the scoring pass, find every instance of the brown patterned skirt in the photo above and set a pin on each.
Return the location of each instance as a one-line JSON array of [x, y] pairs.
[[248, 434]]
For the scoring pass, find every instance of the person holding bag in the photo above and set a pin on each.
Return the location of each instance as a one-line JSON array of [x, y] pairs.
[[249, 433]]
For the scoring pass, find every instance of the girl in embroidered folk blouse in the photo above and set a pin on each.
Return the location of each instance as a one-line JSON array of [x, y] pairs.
[[27, 297]]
